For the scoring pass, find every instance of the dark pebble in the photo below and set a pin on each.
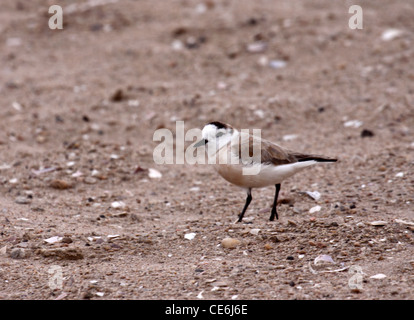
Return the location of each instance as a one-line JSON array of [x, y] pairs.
[[367, 133], [290, 258]]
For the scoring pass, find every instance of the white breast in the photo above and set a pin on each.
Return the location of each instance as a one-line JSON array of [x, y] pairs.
[[266, 175]]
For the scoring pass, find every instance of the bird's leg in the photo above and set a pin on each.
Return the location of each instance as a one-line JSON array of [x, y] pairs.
[[274, 211], [248, 200]]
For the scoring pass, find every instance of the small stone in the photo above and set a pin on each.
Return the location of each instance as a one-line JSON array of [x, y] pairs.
[[378, 223], [277, 64], [391, 34], [66, 240], [230, 243], [54, 239], [60, 184], [268, 246], [118, 205], [90, 180], [366, 133], [378, 276], [315, 209], [254, 231], [154, 174], [3, 251], [120, 215], [189, 236], [17, 253], [290, 258], [257, 47], [118, 96], [22, 200]]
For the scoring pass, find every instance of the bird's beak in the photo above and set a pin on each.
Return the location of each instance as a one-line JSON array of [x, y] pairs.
[[202, 142]]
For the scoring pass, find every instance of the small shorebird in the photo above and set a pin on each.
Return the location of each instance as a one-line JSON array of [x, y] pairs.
[[234, 153]]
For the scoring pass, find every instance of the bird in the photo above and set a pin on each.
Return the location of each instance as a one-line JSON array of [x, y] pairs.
[[233, 153]]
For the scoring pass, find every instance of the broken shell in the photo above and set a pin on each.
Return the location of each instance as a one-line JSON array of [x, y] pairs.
[[315, 209], [54, 239], [189, 236], [154, 174], [378, 223]]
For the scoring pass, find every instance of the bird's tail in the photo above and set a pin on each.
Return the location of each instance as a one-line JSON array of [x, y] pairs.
[[309, 157]]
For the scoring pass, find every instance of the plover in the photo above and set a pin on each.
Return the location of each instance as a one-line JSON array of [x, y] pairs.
[[234, 152]]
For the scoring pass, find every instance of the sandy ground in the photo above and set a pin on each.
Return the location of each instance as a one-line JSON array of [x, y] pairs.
[[79, 107]]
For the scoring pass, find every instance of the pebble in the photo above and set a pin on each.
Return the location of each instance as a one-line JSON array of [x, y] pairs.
[[17, 253], [254, 231], [378, 223], [315, 195], [22, 200], [366, 133], [189, 236], [391, 34], [154, 174], [3, 251], [118, 205], [54, 239], [289, 137], [268, 246], [90, 180], [378, 276], [257, 47], [230, 243], [66, 240], [315, 209], [353, 124], [60, 184], [277, 64]]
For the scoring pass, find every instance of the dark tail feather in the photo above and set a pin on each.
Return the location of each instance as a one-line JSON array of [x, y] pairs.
[[318, 159], [308, 157]]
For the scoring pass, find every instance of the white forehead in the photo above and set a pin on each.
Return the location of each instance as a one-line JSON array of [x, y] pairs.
[[209, 130]]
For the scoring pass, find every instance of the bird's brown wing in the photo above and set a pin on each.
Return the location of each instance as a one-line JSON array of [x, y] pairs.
[[272, 153]]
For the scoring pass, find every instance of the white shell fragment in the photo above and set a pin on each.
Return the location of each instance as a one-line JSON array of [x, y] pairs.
[[353, 124], [315, 209], [289, 137], [189, 236], [256, 47], [378, 276], [277, 64], [378, 223], [53, 239], [391, 34], [154, 174], [323, 258], [408, 223], [400, 174], [254, 231], [118, 204], [315, 195]]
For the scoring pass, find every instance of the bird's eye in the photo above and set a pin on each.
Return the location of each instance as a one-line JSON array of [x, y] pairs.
[[219, 134]]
